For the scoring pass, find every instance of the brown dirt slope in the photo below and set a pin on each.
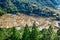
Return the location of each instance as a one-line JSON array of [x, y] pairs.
[[10, 20]]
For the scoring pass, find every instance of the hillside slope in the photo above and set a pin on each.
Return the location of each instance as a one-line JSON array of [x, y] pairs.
[[29, 11], [30, 7], [9, 20]]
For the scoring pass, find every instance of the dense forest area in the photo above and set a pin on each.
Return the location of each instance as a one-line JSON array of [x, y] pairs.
[[26, 33]]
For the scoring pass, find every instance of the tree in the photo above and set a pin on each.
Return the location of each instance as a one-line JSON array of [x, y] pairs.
[[35, 33], [58, 34], [45, 34], [15, 34], [2, 12], [2, 34], [52, 34], [26, 33], [48, 34]]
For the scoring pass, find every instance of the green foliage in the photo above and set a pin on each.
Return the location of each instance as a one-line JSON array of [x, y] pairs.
[[35, 33], [2, 12], [45, 34], [27, 7], [10, 7], [58, 34], [2, 34], [51, 33], [29, 34], [15, 34], [9, 33], [26, 33]]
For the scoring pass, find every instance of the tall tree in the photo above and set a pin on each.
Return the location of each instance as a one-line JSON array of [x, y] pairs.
[[45, 34], [26, 33], [2, 34], [48, 34], [58, 34], [35, 33], [15, 34], [51, 33]]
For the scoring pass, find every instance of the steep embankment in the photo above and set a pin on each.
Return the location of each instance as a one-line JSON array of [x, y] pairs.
[[9, 20], [40, 7]]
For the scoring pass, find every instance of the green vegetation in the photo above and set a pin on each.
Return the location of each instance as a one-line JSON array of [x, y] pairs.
[[29, 34], [28, 7], [2, 34], [26, 33], [15, 34], [2, 12], [34, 33]]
